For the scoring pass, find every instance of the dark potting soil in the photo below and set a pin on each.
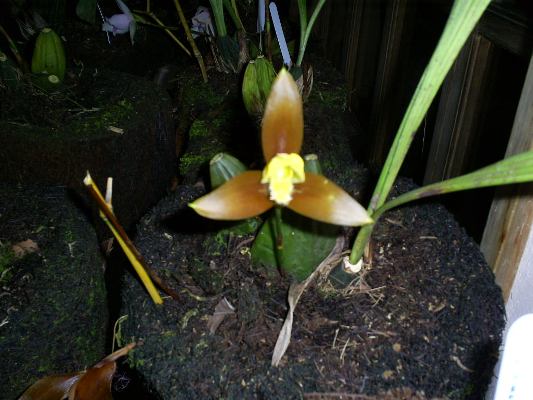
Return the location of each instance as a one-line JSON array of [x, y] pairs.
[[424, 318], [53, 304]]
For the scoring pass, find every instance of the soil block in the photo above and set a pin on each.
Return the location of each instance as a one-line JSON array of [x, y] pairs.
[[53, 306], [108, 123], [422, 320]]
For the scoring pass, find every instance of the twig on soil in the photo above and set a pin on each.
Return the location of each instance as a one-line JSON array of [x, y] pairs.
[[335, 338], [461, 365], [344, 350], [337, 395]]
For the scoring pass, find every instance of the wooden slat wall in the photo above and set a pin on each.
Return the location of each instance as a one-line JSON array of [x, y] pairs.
[[455, 131], [382, 121], [370, 33], [511, 215]]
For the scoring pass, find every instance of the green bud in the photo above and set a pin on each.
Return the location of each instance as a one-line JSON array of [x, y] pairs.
[[49, 55], [223, 167], [258, 78], [311, 164]]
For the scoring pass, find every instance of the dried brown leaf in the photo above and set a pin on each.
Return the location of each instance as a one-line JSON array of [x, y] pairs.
[[51, 387], [222, 309], [93, 384], [25, 247]]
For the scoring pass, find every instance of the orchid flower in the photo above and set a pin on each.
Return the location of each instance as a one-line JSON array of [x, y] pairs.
[[202, 23], [119, 24], [283, 182]]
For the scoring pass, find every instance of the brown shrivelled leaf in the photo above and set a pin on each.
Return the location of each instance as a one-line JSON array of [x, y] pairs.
[[25, 247], [51, 387], [283, 124], [320, 199], [93, 384], [222, 309], [242, 197]]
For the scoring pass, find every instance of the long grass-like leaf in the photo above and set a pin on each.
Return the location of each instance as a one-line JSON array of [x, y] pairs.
[[307, 31], [462, 20], [515, 169], [218, 12]]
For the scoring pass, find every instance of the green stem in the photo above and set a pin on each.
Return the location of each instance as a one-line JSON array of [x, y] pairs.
[[277, 228], [218, 13], [309, 27], [302, 9], [231, 6], [268, 43], [190, 39]]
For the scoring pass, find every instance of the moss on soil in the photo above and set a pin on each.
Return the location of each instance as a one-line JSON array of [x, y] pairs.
[[55, 304]]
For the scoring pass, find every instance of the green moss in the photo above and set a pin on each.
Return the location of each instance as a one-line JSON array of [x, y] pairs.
[[7, 256], [206, 277], [192, 162], [199, 93], [113, 115], [199, 128]]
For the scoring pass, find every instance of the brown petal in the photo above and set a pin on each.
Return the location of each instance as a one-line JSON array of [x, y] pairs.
[[321, 199], [283, 124], [241, 197], [51, 387]]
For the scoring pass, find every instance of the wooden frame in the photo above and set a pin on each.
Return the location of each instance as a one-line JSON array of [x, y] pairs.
[[511, 215]]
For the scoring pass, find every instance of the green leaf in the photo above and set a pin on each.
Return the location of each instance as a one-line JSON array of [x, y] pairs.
[[305, 244], [514, 169], [86, 10], [461, 22], [217, 6], [463, 18]]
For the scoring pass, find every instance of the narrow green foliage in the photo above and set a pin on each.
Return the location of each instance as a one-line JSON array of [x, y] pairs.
[[514, 169], [462, 20], [306, 27], [231, 8], [218, 12]]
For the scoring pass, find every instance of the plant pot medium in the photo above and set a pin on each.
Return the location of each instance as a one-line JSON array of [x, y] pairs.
[[424, 318], [113, 125], [53, 306]]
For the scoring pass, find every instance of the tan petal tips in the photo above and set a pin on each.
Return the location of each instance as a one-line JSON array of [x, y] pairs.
[[244, 196], [282, 126], [321, 199]]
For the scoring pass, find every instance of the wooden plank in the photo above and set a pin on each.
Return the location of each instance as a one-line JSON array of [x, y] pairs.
[[508, 28], [362, 55], [456, 128], [511, 215], [353, 46], [388, 70]]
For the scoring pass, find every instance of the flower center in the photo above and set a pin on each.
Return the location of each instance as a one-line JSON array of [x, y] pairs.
[[281, 173]]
